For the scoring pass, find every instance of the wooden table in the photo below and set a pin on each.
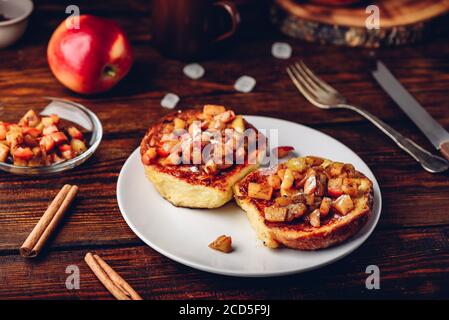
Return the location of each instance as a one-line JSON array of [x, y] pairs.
[[410, 244]]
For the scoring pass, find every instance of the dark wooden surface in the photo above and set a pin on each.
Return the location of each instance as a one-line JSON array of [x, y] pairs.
[[410, 244]]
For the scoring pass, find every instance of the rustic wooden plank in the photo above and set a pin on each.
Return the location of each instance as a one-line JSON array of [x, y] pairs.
[[26, 77], [412, 262]]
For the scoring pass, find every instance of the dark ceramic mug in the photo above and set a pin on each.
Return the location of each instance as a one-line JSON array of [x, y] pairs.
[[185, 28]]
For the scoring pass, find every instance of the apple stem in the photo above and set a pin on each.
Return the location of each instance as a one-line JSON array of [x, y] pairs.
[[109, 71]]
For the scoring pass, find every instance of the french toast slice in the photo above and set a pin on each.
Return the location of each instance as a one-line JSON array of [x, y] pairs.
[[169, 157], [306, 203]]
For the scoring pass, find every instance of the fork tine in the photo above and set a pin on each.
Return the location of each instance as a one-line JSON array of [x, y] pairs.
[[307, 80], [307, 94], [317, 80], [303, 78]]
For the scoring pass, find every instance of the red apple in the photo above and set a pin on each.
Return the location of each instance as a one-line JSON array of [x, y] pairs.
[[92, 58]]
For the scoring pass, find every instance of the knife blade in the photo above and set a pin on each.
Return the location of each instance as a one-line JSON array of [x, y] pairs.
[[412, 108]]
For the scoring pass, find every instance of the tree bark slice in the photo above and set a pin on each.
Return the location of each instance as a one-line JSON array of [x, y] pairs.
[[401, 22]]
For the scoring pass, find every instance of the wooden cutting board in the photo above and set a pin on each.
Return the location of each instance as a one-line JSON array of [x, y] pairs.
[[401, 21]]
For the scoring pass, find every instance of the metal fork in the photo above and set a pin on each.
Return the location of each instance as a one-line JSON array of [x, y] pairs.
[[322, 95]]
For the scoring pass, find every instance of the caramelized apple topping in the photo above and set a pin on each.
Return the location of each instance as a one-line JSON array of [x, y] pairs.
[[37, 141], [309, 188], [213, 140], [260, 191]]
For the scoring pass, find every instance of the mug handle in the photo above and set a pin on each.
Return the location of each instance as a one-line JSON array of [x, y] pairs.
[[231, 9]]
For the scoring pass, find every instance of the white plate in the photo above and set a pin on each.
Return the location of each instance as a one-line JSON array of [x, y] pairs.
[[184, 234]]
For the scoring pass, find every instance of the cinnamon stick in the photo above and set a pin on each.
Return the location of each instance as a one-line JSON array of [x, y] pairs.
[[115, 284], [48, 222]]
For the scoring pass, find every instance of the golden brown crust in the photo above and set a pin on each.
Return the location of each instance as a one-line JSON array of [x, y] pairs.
[[299, 234], [326, 236], [187, 172], [187, 185]]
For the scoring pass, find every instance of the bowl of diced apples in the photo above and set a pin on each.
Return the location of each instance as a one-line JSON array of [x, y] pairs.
[[56, 138]]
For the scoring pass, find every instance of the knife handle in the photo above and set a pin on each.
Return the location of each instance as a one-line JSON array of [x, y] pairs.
[[444, 148], [428, 161]]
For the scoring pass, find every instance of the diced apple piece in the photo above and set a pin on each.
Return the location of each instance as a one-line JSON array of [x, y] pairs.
[[225, 117], [55, 158], [295, 210], [216, 125], [336, 169], [274, 181], [238, 124], [213, 110], [49, 130], [37, 159], [51, 120], [149, 156], [343, 204], [349, 170], [14, 128], [40, 126], [260, 191], [314, 161], [64, 147], [47, 121], [172, 159], [351, 186], [30, 119], [287, 180], [326, 163], [165, 149], [23, 153], [4, 151], [37, 152], [282, 151], [365, 185], [222, 243], [310, 185], [14, 138], [325, 206], [79, 146], [59, 137], [210, 167], [310, 199], [30, 141], [321, 184], [298, 164], [314, 218], [281, 173], [275, 214], [34, 132], [179, 123], [47, 143], [75, 133], [54, 118], [334, 187], [283, 201], [68, 153]]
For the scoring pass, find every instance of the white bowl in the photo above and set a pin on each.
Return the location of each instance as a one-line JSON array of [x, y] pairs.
[[17, 13]]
